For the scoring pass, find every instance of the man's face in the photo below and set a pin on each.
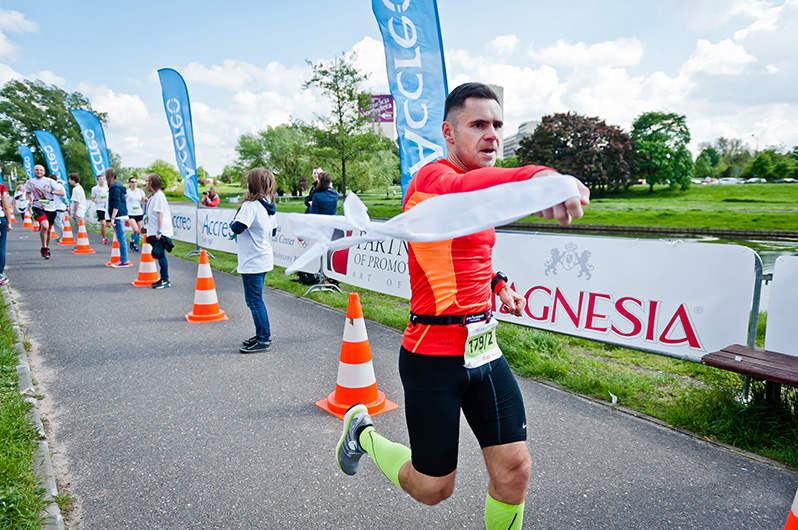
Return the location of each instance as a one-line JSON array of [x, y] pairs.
[[38, 171], [472, 134], [101, 180]]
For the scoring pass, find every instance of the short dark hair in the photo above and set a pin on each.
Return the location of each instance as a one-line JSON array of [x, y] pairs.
[[74, 177], [457, 97]]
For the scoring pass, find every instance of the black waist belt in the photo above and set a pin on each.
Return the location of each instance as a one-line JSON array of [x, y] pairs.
[[448, 320]]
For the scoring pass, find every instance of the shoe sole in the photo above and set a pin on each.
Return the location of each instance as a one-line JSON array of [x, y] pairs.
[[347, 421], [259, 350]]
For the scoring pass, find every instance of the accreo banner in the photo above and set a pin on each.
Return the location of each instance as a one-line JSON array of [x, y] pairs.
[[677, 299], [93, 136], [53, 156], [27, 159], [411, 35], [178, 114]]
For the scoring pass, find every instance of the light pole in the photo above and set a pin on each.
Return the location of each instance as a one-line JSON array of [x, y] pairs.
[[757, 144]]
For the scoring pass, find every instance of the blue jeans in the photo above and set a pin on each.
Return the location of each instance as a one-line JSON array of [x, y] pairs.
[[164, 268], [119, 230], [3, 237], [253, 293]]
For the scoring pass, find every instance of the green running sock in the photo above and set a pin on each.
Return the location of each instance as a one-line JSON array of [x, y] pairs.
[[500, 516], [389, 456]]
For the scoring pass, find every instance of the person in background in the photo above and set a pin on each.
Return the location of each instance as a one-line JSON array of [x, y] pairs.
[[309, 199], [5, 227], [61, 203], [253, 224], [77, 209], [325, 198], [133, 200], [99, 195], [209, 198], [117, 213], [20, 201], [158, 225]]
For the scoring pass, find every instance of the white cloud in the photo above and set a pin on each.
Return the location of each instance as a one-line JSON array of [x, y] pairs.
[[237, 75], [503, 45], [7, 74], [12, 22], [49, 77], [723, 58], [125, 111], [619, 52], [371, 60]]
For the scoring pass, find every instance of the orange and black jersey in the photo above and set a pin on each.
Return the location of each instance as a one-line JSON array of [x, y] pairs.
[[451, 277]]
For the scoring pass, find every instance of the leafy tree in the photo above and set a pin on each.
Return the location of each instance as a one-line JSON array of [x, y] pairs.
[[770, 164], [27, 106], [703, 167], [169, 174], [601, 155], [377, 172], [344, 134], [510, 161], [732, 156], [661, 141], [285, 150]]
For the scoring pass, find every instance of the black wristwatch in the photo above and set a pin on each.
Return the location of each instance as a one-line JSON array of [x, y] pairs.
[[499, 277]]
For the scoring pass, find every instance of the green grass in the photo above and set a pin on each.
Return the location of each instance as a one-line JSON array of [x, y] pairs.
[[21, 500], [691, 396]]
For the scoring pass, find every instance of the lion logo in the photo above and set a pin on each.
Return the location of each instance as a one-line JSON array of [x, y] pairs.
[[569, 259]]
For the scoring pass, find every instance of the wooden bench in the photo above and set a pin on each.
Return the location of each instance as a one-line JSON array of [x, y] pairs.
[[759, 364]]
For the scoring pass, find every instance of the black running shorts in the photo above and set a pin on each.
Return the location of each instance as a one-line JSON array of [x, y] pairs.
[[437, 387]]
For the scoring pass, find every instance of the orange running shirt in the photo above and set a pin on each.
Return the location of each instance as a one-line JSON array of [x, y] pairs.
[[451, 277]]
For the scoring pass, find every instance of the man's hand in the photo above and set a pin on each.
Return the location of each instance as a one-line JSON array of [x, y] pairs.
[[512, 301], [569, 210]]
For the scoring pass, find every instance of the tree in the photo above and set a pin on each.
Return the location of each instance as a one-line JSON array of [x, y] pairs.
[[729, 156], [344, 134], [770, 164], [661, 141], [27, 106], [601, 155], [285, 150], [168, 173], [703, 167], [377, 172]]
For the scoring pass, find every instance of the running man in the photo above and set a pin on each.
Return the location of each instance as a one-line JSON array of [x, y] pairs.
[[41, 191], [452, 285], [99, 195]]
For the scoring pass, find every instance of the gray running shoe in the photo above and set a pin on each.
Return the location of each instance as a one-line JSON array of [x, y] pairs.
[[348, 452]]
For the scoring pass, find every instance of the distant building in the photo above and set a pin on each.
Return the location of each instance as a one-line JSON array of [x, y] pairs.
[[500, 93], [525, 130], [383, 115]]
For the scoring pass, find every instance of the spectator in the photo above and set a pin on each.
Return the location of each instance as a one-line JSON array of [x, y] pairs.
[[5, 227], [77, 208], [325, 199], [159, 227], [117, 212], [309, 199], [253, 224], [209, 198]]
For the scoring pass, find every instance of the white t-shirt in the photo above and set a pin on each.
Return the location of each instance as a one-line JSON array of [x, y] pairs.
[[20, 201], [79, 198], [157, 203], [59, 201], [133, 201], [39, 196], [255, 253], [4, 194], [101, 194]]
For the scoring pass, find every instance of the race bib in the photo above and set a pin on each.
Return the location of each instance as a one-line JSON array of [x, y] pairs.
[[481, 346]]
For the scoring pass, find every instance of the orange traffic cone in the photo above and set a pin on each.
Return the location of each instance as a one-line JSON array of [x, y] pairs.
[[792, 519], [115, 255], [148, 274], [66, 233], [36, 226], [83, 246], [13, 218], [206, 305], [26, 222], [356, 381]]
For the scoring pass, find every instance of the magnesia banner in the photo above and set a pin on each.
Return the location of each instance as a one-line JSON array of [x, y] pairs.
[[178, 114], [417, 77], [673, 298], [94, 138], [781, 334], [27, 160], [214, 233]]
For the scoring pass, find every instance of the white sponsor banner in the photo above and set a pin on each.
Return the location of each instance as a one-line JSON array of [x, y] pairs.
[[214, 233], [375, 265], [781, 334], [673, 298]]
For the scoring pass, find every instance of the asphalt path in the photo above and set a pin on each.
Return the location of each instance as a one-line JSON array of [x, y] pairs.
[[158, 423]]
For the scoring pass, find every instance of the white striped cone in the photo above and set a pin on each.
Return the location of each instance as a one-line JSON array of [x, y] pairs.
[[792, 519], [148, 273], [206, 304], [83, 246], [356, 382], [115, 255], [66, 234]]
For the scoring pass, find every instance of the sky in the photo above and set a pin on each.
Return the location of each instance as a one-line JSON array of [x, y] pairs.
[[729, 66]]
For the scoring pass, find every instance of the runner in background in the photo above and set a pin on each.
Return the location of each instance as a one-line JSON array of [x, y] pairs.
[[134, 198], [99, 195], [40, 192]]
